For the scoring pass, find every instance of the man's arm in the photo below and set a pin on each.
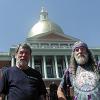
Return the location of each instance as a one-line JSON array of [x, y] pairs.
[[2, 96], [60, 94]]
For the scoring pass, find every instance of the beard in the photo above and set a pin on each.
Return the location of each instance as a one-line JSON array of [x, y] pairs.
[[81, 59], [21, 63]]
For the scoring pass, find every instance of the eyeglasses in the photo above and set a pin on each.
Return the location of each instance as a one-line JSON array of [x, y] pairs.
[[80, 48]]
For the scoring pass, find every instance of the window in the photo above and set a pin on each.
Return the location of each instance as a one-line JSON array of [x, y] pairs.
[[44, 45], [61, 65], [38, 63], [49, 65], [50, 72]]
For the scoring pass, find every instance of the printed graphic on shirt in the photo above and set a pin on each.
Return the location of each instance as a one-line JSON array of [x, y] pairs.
[[86, 81]]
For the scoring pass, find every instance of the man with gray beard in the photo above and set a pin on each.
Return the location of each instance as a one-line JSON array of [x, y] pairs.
[[22, 82], [81, 81]]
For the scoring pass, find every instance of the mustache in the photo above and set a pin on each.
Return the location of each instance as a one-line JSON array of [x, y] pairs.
[[81, 55]]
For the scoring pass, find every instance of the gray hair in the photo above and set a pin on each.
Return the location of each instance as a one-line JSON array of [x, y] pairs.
[[24, 45]]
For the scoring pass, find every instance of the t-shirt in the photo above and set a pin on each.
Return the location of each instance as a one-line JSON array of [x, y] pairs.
[[20, 84], [86, 85]]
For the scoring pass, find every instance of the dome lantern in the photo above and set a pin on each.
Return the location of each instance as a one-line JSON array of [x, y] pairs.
[[43, 14]]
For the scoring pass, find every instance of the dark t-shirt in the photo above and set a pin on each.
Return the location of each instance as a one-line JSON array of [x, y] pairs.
[[22, 84]]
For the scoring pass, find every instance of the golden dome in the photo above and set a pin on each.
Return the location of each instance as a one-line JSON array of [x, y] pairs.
[[44, 25]]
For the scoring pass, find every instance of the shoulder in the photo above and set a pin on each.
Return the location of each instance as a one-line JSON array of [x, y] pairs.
[[67, 71], [8, 70], [34, 72]]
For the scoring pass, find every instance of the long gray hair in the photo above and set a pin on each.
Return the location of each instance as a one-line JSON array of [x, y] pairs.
[[91, 62]]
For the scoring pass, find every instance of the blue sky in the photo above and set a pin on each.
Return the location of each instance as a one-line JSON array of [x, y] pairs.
[[77, 18]]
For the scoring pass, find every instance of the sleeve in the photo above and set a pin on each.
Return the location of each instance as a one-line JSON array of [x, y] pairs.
[[3, 82], [66, 83], [64, 79], [62, 83]]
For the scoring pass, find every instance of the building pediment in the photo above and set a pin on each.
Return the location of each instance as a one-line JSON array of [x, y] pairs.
[[53, 36]]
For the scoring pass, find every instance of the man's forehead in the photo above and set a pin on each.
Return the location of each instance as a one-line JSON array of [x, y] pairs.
[[23, 49], [81, 47]]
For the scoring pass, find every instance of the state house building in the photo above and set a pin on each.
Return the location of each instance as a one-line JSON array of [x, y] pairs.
[[51, 49]]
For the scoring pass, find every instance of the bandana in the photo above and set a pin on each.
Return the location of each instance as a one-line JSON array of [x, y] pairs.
[[79, 44]]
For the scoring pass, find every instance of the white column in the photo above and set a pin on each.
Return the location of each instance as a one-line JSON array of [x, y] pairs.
[[13, 61], [66, 60], [44, 65], [33, 62], [56, 67]]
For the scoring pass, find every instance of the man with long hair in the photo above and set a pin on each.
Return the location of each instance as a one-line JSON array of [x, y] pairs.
[[82, 75]]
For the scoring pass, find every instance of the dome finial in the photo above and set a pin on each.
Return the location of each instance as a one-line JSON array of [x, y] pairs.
[[43, 14]]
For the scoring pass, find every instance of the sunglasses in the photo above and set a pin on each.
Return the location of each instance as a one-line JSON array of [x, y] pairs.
[[80, 48]]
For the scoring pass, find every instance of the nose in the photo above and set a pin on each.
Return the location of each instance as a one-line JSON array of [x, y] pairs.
[[23, 54]]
